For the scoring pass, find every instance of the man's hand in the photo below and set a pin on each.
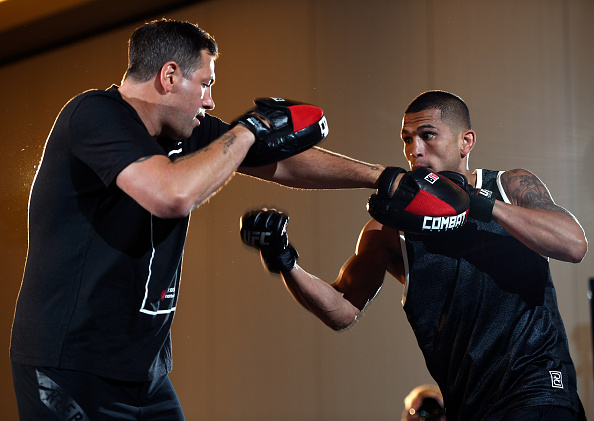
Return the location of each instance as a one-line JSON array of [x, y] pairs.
[[266, 231], [481, 200]]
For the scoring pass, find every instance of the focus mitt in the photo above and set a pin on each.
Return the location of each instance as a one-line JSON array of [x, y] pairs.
[[423, 203], [293, 127]]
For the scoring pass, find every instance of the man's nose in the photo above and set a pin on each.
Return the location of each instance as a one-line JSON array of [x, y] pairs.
[[415, 148], [207, 101]]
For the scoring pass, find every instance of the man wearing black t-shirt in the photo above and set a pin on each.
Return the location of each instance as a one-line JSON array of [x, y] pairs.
[[480, 299], [121, 171]]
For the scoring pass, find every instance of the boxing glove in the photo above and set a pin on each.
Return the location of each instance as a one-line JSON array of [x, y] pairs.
[[481, 200], [266, 231]]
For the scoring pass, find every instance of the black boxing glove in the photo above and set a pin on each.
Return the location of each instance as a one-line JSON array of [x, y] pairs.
[[423, 203], [266, 231], [481, 200], [481, 204], [293, 128]]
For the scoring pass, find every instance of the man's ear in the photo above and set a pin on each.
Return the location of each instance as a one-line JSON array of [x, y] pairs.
[[169, 75], [468, 138]]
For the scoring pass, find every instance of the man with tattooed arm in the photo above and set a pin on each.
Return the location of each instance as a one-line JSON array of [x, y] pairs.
[[480, 297]]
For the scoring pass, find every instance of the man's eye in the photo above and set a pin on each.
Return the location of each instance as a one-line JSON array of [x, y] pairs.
[[407, 140], [428, 135]]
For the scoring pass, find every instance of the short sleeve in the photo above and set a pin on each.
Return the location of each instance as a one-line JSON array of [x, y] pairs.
[[106, 134]]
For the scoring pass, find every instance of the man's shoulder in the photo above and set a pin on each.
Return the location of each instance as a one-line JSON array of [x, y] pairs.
[[111, 92], [95, 97]]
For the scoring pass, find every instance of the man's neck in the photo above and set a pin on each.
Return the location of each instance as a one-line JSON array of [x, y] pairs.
[[140, 97]]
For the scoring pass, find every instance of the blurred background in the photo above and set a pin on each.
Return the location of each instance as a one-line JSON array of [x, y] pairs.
[[243, 349]]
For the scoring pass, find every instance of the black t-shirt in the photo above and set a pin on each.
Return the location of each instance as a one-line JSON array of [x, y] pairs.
[[484, 312], [102, 275]]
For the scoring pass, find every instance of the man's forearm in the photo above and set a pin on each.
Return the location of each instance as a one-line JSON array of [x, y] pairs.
[[557, 235], [320, 298], [319, 168]]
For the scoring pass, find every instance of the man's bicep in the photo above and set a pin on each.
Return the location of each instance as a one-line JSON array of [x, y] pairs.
[[142, 180], [363, 275], [526, 190]]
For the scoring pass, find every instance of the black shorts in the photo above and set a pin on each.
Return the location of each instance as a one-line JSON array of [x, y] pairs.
[[66, 395]]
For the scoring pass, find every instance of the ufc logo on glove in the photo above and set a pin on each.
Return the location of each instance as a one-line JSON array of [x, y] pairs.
[[256, 238]]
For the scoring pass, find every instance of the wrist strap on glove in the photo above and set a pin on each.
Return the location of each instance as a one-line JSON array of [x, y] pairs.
[[481, 204], [280, 262]]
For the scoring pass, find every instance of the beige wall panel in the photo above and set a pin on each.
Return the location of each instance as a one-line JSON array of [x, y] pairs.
[[580, 128]]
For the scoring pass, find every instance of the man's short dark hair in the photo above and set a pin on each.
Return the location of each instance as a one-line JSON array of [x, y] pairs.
[[157, 42], [454, 110]]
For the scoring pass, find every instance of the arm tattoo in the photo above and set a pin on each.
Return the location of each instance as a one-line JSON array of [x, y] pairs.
[[526, 190], [227, 140]]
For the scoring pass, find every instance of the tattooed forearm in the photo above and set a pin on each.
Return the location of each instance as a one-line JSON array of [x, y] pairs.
[[226, 140], [526, 190], [183, 158]]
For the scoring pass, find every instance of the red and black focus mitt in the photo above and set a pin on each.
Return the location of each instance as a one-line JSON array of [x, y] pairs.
[[424, 202], [293, 127]]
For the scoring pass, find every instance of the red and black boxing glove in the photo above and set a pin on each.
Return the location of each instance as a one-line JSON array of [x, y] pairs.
[[424, 202], [293, 127]]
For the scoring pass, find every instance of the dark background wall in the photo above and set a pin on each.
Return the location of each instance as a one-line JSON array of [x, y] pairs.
[[243, 350]]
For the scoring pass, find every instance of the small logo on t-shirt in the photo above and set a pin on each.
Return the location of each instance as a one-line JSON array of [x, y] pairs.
[[556, 379], [170, 293]]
